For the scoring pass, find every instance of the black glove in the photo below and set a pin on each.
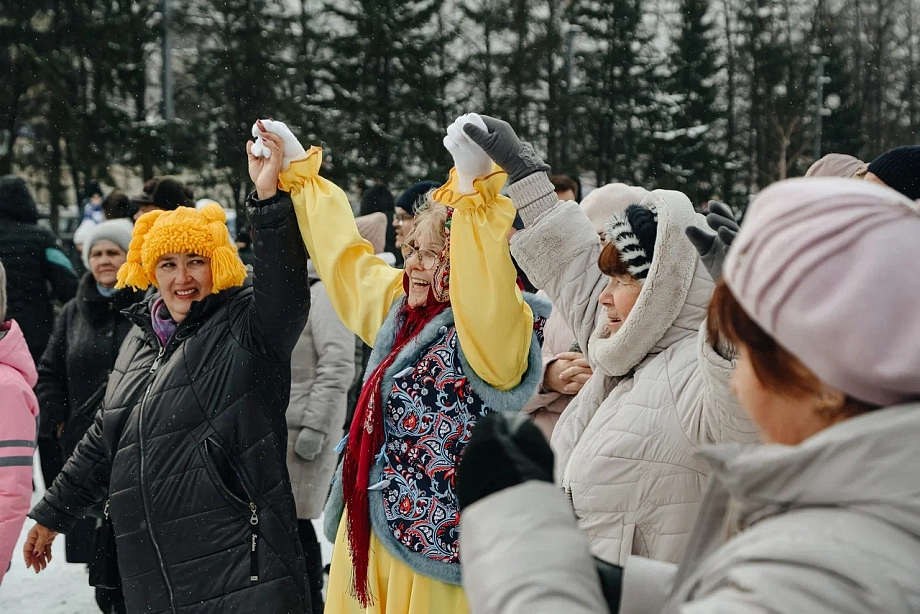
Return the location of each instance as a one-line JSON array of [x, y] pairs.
[[505, 450], [713, 248], [611, 577], [516, 158]]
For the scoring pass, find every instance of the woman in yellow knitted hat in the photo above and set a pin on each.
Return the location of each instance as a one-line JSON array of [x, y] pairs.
[[188, 452], [454, 338]]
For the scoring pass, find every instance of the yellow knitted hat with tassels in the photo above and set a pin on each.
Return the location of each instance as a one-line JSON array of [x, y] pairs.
[[182, 231]]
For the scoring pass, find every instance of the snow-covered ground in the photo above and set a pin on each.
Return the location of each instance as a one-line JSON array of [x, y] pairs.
[[62, 588]]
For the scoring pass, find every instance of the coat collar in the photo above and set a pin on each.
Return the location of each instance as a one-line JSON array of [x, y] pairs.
[[98, 308], [201, 311], [867, 463]]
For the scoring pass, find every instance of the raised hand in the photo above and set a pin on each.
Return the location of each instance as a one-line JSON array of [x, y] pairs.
[[499, 141], [470, 160], [293, 150], [713, 247], [264, 169]]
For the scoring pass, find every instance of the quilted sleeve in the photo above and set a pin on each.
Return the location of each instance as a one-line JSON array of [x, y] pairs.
[[708, 410], [559, 253], [522, 552]]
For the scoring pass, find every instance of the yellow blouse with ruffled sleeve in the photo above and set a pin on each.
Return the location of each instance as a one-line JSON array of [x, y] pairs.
[[494, 323]]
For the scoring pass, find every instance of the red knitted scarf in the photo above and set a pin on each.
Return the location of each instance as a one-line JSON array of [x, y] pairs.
[[365, 439]]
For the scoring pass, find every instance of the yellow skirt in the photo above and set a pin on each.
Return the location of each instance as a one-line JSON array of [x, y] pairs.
[[395, 587]]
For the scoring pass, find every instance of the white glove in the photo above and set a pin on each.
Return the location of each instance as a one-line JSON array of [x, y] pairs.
[[293, 150], [470, 160]]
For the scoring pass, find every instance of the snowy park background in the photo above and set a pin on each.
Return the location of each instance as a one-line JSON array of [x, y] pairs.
[[713, 97]]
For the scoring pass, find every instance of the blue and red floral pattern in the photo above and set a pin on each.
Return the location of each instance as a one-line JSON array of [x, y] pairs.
[[429, 416]]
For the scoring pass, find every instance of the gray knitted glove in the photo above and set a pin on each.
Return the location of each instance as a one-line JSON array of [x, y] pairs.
[[714, 247], [517, 158], [309, 443]]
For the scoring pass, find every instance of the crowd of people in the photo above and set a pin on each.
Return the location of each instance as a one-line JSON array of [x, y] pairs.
[[499, 396]]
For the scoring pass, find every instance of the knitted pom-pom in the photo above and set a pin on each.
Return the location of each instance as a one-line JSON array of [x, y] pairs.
[[132, 274], [227, 270], [220, 234], [212, 212]]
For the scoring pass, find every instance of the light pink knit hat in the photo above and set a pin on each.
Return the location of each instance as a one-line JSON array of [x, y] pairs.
[[831, 269], [601, 203]]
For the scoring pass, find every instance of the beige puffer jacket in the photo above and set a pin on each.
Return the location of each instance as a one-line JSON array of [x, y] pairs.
[[626, 445], [322, 368]]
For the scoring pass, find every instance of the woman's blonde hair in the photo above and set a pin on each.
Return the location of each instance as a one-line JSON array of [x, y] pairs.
[[430, 219]]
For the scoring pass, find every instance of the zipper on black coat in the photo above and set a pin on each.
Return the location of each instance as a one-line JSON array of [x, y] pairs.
[[145, 494], [253, 518], [254, 544]]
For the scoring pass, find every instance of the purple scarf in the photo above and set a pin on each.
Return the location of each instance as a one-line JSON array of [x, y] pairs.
[[163, 324]]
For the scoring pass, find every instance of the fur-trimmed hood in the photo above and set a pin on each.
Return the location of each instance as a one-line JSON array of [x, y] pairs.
[[674, 297]]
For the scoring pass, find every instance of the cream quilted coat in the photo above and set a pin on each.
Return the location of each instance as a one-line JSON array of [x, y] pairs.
[[626, 445]]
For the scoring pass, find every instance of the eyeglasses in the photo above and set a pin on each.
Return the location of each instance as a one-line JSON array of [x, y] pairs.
[[427, 259]]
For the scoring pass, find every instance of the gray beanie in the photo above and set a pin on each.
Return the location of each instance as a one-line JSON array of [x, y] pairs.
[[117, 231], [2, 293]]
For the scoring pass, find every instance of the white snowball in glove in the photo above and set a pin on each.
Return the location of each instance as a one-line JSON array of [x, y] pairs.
[[470, 160], [293, 150]]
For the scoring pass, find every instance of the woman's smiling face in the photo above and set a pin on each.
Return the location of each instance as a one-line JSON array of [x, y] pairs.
[[422, 253], [619, 298], [183, 279]]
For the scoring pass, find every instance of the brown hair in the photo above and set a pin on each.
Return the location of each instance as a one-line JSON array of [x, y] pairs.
[[611, 263], [775, 367], [561, 183]]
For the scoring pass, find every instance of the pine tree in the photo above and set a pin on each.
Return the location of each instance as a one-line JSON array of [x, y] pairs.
[[549, 50], [233, 79], [387, 123], [840, 107], [616, 100], [483, 27], [688, 155], [305, 98]]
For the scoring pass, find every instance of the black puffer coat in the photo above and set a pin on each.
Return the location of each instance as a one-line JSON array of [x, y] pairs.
[[200, 495], [24, 249], [80, 355]]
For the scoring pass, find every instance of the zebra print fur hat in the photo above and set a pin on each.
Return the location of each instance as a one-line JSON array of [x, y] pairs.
[[633, 232]]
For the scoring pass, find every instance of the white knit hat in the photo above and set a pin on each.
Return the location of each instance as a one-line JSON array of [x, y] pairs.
[[605, 201], [117, 231]]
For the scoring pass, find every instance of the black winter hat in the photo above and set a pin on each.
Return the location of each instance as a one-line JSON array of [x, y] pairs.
[[170, 194], [899, 168], [633, 232], [408, 200], [377, 198], [16, 202], [91, 188]]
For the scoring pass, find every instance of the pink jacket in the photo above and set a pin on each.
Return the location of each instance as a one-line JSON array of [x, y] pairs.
[[546, 407], [18, 423]]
